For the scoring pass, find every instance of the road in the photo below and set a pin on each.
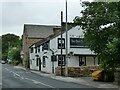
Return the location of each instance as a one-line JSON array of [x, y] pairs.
[[0, 76], [18, 78]]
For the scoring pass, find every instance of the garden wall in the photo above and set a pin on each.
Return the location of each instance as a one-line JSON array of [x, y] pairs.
[[117, 76], [77, 71]]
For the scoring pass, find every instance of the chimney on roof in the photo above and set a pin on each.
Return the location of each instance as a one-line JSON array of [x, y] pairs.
[[56, 30]]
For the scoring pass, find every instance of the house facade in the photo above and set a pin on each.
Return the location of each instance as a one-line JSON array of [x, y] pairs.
[[46, 54], [33, 34]]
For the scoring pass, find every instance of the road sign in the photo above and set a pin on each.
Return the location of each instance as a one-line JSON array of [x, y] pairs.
[[22, 52]]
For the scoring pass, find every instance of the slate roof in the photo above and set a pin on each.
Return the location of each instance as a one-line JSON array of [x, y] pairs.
[[70, 25], [38, 31]]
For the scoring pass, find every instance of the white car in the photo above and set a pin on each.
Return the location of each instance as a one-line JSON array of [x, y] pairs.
[[3, 62]]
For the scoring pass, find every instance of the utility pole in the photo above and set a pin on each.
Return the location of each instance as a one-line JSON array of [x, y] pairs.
[[66, 64], [61, 45]]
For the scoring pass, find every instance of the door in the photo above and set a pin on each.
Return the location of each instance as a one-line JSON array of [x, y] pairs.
[[39, 64]]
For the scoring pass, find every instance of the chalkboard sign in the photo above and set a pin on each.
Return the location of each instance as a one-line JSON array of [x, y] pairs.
[[76, 42]]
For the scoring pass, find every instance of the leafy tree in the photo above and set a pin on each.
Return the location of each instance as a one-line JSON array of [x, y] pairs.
[[101, 24], [9, 41], [14, 56]]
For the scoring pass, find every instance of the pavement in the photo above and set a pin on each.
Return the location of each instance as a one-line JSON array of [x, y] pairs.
[[0, 76], [81, 80]]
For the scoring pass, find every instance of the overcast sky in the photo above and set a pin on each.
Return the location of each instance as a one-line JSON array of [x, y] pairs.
[[15, 13]]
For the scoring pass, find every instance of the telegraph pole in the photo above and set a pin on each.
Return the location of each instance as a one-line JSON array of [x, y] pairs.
[[61, 45], [66, 64]]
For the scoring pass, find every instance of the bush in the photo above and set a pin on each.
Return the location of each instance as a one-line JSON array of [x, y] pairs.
[[14, 56], [14, 62], [107, 76]]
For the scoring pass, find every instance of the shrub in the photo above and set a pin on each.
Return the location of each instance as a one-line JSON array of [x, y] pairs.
[[14, 62]]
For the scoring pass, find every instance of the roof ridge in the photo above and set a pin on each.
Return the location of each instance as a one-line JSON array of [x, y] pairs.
[[41, 25]]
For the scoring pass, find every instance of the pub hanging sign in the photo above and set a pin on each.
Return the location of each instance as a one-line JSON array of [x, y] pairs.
[[53, 58]]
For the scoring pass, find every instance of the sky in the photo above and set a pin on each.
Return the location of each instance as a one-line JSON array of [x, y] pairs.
[[15, 13]]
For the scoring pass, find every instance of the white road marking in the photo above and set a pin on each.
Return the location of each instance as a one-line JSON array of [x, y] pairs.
[[22, 77], [34, 81], [37, 82], [6, 69], [16, 74]]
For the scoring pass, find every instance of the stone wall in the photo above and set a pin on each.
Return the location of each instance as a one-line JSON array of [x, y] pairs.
[[117, 76], [58, 71], [77, 71]]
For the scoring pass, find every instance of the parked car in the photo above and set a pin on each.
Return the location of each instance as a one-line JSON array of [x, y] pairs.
[[3, 62]]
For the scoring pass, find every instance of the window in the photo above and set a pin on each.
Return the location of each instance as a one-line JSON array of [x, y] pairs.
[[45, 46], [44, 62], [42, 48], [35, 49], [53, 58], [59, 43], [32, 50], [37, 60], [59, 60], [82, 61], [77, 42], [39, 49]]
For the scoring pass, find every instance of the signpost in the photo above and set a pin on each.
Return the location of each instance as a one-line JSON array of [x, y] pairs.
[[22, 54]]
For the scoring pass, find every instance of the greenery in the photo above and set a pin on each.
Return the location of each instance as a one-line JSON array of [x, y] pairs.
[[11, 46], [14, 56], [101, 24]]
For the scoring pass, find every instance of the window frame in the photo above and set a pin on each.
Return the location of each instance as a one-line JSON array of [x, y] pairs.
[[82, 62], [76, 45], [45, 46], [59, 43], [38, 49], [35, 49], [31, 50], [63, 60], [44, 61]]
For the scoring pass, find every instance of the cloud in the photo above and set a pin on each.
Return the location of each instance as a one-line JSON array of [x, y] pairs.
[[17, 30], [17, 12]]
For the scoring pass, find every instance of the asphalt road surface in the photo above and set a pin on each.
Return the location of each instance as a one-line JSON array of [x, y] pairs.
[[0, 76], [17, 78]]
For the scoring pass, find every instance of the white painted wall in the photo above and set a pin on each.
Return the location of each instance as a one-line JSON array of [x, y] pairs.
[[90, 61], [75, 32], [73, 61], [32, 58]]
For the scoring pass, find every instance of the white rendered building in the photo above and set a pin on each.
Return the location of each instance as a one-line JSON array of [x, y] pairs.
[[41, 53]]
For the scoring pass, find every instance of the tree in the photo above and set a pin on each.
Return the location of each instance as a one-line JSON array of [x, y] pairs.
[[101, 24], [14, 56], [9, 41]]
